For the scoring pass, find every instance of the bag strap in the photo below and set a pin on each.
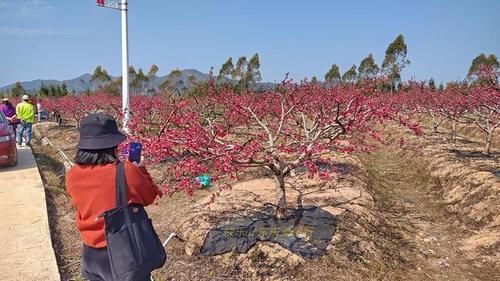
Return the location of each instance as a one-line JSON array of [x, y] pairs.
[[121, 197]]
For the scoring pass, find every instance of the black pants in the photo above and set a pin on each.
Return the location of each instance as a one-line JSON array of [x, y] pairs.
[[95, 265]]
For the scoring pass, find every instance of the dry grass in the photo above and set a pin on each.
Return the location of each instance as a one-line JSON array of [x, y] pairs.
[[65, 237]]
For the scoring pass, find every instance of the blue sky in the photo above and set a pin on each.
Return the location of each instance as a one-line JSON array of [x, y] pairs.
[[62, 39]]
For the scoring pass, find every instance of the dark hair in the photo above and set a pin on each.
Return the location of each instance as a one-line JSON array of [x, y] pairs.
[[96, 156]]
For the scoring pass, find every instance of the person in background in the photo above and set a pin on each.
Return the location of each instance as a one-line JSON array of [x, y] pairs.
[[25, 112], [10, 112], [91, 186], [38, 111]]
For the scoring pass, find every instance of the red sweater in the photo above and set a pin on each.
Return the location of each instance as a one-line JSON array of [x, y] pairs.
[[92, 191]]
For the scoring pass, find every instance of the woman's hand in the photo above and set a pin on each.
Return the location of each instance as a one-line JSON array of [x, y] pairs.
[[138, 164], [143, 167]]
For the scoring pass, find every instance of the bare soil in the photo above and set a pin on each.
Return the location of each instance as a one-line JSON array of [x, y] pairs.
[[413, 201], [468, 182], [402, 227], [65, 237]]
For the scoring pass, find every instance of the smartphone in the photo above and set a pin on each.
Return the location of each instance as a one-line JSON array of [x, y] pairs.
[[134, 154]]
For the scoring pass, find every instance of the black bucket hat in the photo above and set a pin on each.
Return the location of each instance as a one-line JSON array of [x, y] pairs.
[[99, 131]]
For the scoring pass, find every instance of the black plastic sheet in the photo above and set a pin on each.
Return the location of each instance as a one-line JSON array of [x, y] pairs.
[[306, 233]]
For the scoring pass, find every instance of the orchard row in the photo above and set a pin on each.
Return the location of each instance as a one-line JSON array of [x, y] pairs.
[[224, 132]]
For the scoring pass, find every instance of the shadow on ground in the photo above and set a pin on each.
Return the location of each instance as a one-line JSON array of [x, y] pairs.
[[306, 232], [464, 154]]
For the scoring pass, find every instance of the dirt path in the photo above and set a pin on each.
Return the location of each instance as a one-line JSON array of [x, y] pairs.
[[27, 252], [409, 197]]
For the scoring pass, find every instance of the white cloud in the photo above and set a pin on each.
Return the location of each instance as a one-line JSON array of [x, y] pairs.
[[35, 7], [30, 31]]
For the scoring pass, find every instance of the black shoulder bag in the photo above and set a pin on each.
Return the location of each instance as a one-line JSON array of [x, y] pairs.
[[134, 248]]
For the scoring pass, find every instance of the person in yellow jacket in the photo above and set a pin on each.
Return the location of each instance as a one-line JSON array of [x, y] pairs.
[[25, 112]]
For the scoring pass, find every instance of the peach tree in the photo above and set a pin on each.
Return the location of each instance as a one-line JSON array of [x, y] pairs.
[[226, 132]]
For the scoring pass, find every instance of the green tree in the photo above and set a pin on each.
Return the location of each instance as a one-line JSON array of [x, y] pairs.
[[139, 81], [100, 77], [368, 69], [239, 71], [198, 88], [226, 70], [17, 90], [132, 73], [43, 91], [175, 74], [191, 80], [173, 82], [432, 84], [314, 80], [52, 91], [245, 73], [114, 88], [253, 71], [165, 85], [58, 91], [395, 60], [402, 86], [64, 90], [441, 87], [479, 62], [333, 75], [350, 76], [153, 70], [180, 86]]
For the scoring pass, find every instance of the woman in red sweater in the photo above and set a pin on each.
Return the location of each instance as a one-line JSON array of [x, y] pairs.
[[91, 186]]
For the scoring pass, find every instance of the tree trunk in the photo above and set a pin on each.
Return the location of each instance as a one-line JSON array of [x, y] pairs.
[[435, 128], [489, 140], [280, 197], [454, 130]]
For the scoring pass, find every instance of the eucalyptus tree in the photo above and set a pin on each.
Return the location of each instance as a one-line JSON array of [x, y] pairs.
[[395, 60], [333, 75], [368, 69]]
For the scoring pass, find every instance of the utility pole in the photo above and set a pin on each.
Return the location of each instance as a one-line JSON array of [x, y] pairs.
[[123, 8]]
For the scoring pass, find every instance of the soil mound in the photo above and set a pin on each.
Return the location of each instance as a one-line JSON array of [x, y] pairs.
[[468, 183], [472, 194], [320, 216]]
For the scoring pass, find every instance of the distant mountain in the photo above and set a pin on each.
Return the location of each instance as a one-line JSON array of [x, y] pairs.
[[186, 73], [265, 86], [31, 85], [78, 84], [183, 80], [82, 83]]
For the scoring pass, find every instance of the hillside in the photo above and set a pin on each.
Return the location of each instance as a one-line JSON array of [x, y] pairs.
[[82, 82]]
